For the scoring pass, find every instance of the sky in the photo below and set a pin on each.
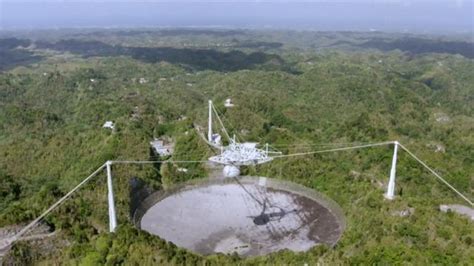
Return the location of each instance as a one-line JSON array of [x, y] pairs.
[[425, 16]]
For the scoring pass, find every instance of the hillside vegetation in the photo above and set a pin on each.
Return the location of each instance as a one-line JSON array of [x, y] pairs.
[[287, 90]]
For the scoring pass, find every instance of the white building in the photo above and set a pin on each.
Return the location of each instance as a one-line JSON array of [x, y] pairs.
[[109, 124], [161, 148], [216, 139], [181, 169], [228, 103]]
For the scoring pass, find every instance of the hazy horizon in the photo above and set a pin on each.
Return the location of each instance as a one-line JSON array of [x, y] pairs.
[[360, 15]]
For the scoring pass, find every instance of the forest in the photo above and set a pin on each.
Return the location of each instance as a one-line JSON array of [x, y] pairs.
[[298, 91]]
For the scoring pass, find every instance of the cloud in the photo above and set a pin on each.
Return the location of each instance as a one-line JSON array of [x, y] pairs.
[[458, 3], [217, 1]]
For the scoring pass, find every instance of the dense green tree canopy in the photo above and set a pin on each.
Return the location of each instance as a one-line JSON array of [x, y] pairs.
[[288, 89]]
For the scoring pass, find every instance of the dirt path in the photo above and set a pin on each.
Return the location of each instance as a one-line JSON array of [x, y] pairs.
[[7, 235], [460, 209]]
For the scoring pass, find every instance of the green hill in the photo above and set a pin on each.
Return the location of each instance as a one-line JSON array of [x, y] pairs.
[[51, 137]]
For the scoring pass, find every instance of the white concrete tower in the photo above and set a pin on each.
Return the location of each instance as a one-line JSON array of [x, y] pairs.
[[391, 183], [112, 216]]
